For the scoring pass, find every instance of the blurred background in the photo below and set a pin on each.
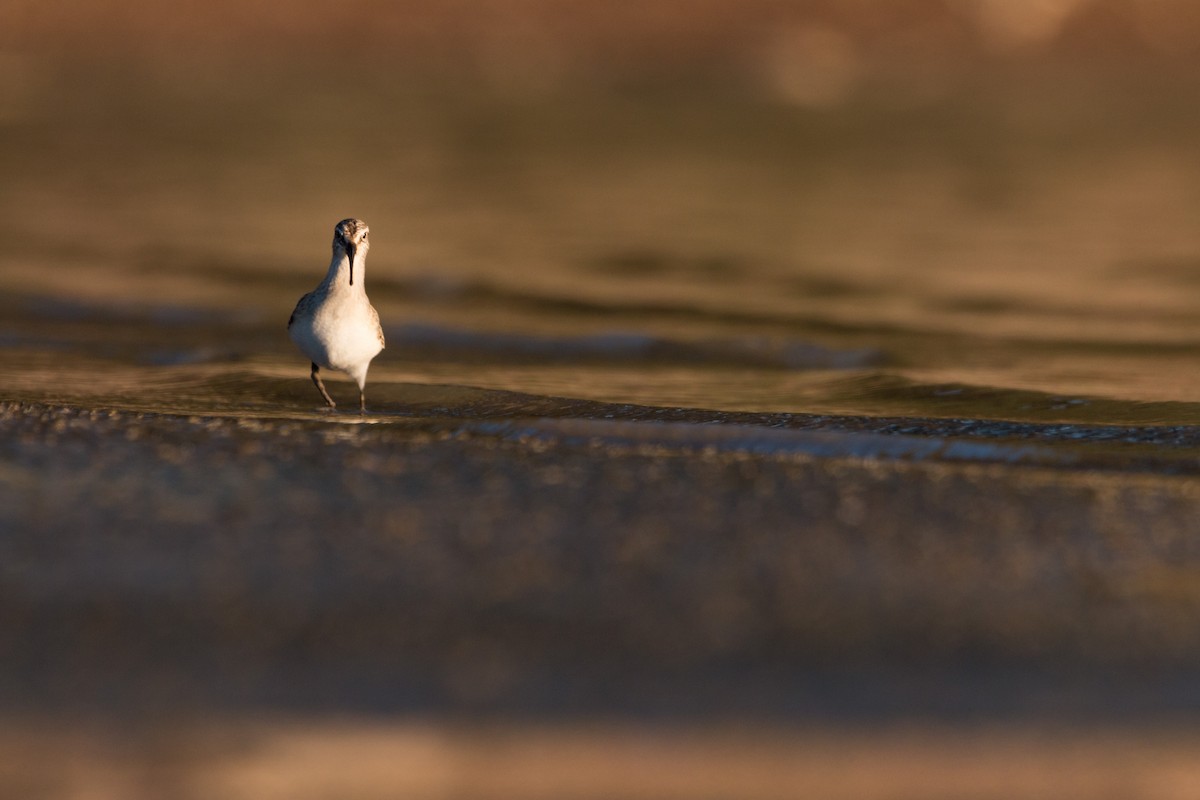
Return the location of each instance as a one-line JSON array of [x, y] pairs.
[[910, 216], [1022, 170]]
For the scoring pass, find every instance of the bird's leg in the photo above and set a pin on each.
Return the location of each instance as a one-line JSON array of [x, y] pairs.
[[362, 401], [316, 377]]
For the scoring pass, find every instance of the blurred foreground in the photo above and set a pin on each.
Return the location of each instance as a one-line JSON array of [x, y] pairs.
[[459, 603]]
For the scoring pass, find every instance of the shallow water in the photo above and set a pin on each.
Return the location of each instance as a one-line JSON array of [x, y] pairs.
[[993, 254]]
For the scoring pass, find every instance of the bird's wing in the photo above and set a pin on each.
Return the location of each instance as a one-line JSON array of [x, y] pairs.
[[300, 305], [378, 327]]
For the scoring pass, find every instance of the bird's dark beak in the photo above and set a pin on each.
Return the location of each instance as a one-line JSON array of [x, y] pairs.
[[350, 250]]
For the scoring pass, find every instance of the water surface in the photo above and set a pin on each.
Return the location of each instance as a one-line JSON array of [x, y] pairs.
[[992, 255]]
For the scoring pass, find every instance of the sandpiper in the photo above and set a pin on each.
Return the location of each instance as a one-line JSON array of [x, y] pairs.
[[335, 325]]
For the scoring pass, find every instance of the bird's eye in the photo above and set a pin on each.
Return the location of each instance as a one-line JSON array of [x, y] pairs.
[[364, 236]]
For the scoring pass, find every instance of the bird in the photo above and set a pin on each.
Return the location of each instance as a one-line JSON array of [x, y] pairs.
[[335, 325]]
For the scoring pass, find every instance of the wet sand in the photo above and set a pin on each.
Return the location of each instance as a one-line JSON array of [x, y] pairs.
[[159, 560], [468, 604]]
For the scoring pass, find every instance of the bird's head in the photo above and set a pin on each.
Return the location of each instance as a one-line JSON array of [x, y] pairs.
[[350, 236]]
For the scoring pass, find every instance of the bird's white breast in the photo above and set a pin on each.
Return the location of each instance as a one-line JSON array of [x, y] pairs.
[[340, 333]]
